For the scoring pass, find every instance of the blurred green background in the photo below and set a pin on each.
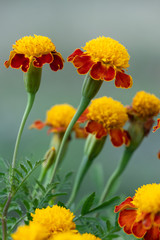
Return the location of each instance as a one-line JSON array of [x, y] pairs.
[[70, 24]]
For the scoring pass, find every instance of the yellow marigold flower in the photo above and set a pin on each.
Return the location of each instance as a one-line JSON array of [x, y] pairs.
[[58, 119], [33, 231], [71, 236], [105, 58], [55, 219], [106, 115], [146, 105], [36, 50], [140, 215]]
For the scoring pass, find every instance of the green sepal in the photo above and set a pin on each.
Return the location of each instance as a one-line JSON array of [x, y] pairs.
[[32, 79]]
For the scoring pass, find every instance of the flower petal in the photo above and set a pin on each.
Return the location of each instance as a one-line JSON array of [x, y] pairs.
[[19, 60], [157, 219], [109, 74], [77, 52], [138, 229], [97, 71], [38, 125], [157, 126], [126, 219], [57, 62], [96, 128], [116, 136], [123, 80], [147, 221], [85, 68], [79, 61], [126, 138], [127, 203], [80, 133], [40, 61], [83, 116], [152, 234]]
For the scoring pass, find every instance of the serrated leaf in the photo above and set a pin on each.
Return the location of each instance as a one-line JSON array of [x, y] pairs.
[[24, 168], [18, 172], [40, 185], [112, 236], [26, 204], [29, 164], [105, 204], [108, 225], [88, 204]]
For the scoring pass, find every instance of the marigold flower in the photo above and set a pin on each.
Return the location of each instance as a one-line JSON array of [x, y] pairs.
[[105, 59], [140, 215], [71, 236], [33, 231], [58, 119], [54, 219], [157, 126], [36, 50], [106, 116], [145, 105]]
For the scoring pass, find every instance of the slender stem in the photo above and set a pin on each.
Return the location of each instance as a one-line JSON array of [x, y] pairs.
[[82, 106], [5, 210], [116, 174], [30, 102], [81, 172]]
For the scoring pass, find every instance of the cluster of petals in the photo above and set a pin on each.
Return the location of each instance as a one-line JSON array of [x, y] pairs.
[[105, 59], [58, 119], [106, 116], [145, 105], [51, 223], [36, 50], [140, 215]]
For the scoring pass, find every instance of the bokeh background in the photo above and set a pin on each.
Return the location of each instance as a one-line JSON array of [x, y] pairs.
[[70, 24]]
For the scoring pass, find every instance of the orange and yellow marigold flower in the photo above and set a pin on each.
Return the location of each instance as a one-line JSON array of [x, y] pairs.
[[140, 215], [36, 50], [105, 59], [106, 116], [58, 119], [55, 219], [78, 236]]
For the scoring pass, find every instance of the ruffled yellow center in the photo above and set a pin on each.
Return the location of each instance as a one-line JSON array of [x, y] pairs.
[[147, 198], [110, 113], [33, 231], [71, 236], [34, 46], [108, 51], [146, 105], [60, 115], [55, 219]]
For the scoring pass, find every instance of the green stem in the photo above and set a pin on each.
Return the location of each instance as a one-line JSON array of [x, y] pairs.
[[5, 210], [116, 174], [85, 164], [30, 102], [82, 106]]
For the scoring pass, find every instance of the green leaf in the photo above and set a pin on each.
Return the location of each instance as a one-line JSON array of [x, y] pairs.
[[108, 225], [105, 204], [40, 185], [18, 172], [24, 168], [29, 164], [88, 204]]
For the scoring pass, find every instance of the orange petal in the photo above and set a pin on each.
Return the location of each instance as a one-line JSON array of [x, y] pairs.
[[138, 229], [147, 221], [19, 60], [96, 128], [81, 133], [123, 80], [77, 52], [158, 155], [56, 130], [126, 138], [109, 74], [83, 116], [157, 126], [8, 63], [79, 61], [85, 68], [152, 234], [39, 61], [116, 136], [97, 71], [38, 125], [157, 219], [57, 63], [127, 203], [126, 219]]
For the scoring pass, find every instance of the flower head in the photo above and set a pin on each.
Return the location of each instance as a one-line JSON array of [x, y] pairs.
[[58, 119], [77, 236], [105, 59], [54, 219], [107, 116], [140, 215], [145, 105], [36, 50], [33, 231]]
